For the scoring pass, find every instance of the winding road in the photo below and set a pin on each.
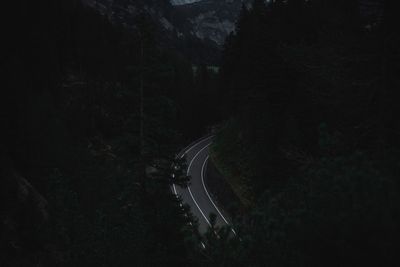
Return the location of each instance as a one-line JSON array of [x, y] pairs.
[[196, 195]]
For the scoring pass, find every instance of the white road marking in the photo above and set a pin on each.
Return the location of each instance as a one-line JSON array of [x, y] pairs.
[[205, 189], [190, 191], [195, 202], [195, 156], [194, 145], [187, 173], [209, 197], [184, 153], [202, 180]]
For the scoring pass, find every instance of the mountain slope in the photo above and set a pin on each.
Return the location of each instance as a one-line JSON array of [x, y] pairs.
[[212, 19], [209, 20], [173, 28], [183, 2]]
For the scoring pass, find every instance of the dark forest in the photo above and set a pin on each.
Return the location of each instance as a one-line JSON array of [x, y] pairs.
[[299, 109]]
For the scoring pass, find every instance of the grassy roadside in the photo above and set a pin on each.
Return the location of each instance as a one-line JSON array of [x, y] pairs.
[[222, 193], [225, 154]]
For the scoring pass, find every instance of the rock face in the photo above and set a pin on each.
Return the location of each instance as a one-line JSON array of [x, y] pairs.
[[215, 19], [194, 25], [211, 19], [372, 10], [124, 11], [183, 2], [195, 28]]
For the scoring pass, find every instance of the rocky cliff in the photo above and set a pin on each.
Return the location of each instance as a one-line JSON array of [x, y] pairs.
[[211, 19], [207, 20]]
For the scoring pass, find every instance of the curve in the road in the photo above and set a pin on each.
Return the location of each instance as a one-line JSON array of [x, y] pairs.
[[190, 191], [186, 150], [196, 195]]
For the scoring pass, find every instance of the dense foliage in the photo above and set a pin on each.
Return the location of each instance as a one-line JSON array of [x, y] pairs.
[[312, 148], [85, 174]]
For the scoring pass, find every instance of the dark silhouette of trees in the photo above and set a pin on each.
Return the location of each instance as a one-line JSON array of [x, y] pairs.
[[313, 134], [71, 191], [92, 115]]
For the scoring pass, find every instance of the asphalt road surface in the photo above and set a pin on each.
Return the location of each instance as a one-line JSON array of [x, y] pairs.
[[196, 195]]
